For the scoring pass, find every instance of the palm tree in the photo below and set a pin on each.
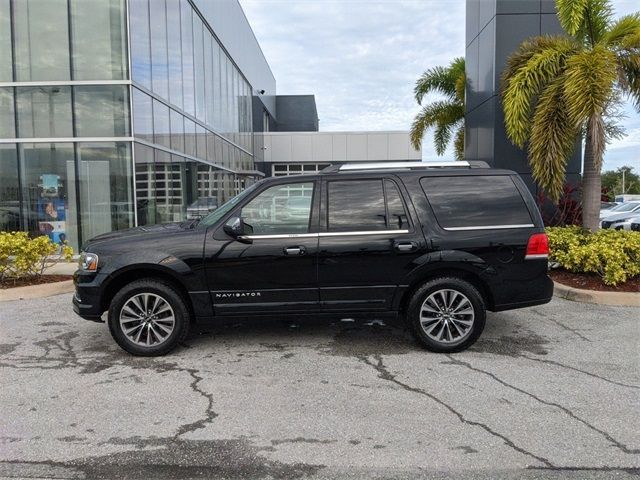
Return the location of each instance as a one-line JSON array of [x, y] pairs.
[[446, 116], [556, 88]]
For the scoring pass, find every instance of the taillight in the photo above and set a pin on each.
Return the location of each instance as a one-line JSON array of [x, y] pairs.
[[537, 247]]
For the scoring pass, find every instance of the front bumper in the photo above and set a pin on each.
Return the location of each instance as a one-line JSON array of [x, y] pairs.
[[87, 299]]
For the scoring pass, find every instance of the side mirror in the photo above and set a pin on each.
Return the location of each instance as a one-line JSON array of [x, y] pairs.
[[236, 229]]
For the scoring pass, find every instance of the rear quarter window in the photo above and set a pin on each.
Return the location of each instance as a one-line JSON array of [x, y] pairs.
[[467, 202]]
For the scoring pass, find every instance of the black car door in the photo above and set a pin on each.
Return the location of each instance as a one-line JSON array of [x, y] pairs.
[[274, 268], [368, 242]]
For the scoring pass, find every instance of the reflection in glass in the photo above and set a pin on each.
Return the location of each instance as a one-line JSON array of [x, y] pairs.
[[7, 115], [41, 40], [496, 201], [48, 179], [198, 59], [145, 184], [142, 115], [189, 137], [44, 112], [159, 60], [6, 54], [177, 131], [102, 111], [174, 52], [99, 39], [106, 196], [208, 76], [356, 205], [9, 189], [188, 84], [397, 215], [201, 142], [161, 130], [140, 42]]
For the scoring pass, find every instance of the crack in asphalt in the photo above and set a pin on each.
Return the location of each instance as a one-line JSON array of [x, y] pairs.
[[621, 446], [384, 374], [210, 415], [569, 367], [569, 329]]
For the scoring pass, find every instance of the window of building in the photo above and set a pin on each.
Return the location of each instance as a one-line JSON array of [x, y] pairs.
[[142, 115], [102, 110], [188, 80], [99, 39], [284, 169], [48, 191], [7, 114], [280, 210], [44, 112], [356, 205], [201, 142], [159, 59], [475, 201], [208, 76], [9, 189], [161, 124], [198, 61], [145, 184], [189, 137], [177, 131], [41, 40], [106, 196], [174, 52], [140, 42], [6, 53]]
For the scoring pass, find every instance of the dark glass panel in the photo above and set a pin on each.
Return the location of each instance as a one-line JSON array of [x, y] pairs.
[[395, 207], [145, 184], [356, 205], [9, 189]]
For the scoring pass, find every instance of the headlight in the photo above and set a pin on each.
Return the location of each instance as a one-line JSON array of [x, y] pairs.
[[88, 262]]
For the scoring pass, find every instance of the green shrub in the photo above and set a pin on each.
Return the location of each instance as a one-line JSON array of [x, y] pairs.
[[612, 254], [21, 256]]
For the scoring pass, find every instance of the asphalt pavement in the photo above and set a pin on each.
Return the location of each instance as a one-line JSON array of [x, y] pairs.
[[547, 392]]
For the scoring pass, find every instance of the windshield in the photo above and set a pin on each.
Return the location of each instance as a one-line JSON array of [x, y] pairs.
[[625, 207], [220, 212]]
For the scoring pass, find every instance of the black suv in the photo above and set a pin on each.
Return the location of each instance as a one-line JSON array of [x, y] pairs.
[[437, 244]]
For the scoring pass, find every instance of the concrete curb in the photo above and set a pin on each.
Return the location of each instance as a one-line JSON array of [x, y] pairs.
[[36, 291], [623, 299]]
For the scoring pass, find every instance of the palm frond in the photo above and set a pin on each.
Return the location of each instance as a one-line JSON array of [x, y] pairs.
[[586, 20], [440, 79], [553, 134], [441, 137], [629, 76], [436, 114], [522, 85], [458, 143], [625, 26], [589, 80], [571, 14]]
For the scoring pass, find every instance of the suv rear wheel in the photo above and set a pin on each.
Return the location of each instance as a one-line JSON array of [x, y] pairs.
[[446, 314], [148, 318]]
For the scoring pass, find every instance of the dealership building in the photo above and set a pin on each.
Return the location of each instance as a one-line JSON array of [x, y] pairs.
[[116, 113]]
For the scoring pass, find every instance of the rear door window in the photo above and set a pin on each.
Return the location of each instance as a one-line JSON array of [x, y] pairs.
[[476, 202]]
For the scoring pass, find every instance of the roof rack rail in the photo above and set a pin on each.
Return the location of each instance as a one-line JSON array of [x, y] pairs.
[[404, 165]]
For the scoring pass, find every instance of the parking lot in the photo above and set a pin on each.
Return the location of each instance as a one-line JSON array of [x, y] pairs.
[[547, 392]]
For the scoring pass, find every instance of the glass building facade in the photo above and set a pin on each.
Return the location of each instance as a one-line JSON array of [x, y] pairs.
[[115, 113]]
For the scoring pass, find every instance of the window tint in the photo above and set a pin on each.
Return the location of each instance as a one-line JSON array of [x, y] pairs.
[[356, 206], [281, 209], [397, 214], [475, 201]]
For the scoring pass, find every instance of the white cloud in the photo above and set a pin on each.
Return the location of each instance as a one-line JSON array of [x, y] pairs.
[[361, 58]]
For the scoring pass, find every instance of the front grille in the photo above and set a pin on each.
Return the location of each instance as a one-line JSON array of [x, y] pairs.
[[606, 224]]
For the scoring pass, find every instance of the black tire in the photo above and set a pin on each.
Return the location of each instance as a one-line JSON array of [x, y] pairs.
[[450, 342], [158, 289]]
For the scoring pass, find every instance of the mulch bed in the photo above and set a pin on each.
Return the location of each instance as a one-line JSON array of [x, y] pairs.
[[590, 281], [25, 282]]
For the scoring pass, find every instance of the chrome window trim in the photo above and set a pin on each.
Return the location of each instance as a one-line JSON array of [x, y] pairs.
[[323, 234], [489, 227]]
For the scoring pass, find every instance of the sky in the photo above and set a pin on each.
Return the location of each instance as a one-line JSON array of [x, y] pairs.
[[361, 59]]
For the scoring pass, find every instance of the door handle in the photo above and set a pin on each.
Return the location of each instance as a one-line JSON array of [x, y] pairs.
[[406, 246], [295, 250]]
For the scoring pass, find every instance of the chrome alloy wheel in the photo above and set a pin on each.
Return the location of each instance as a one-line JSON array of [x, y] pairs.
[[147, 319], [446, 316]]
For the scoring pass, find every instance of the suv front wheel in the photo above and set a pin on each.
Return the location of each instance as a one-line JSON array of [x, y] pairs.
[[148, 318], [446, 314]]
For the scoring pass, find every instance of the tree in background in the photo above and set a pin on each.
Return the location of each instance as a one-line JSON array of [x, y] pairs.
[[556, 88], [612, 182], [445, 116]]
